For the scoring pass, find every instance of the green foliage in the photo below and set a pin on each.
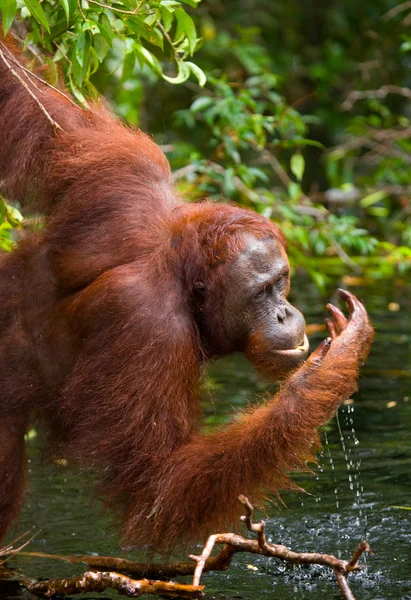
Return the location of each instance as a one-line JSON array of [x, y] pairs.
[[80, 34], [299, 131], [240, 127], [10, 221], [304, 116]]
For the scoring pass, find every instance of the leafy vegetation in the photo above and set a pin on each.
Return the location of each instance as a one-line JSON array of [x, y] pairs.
[[304, 115], [11, 221]]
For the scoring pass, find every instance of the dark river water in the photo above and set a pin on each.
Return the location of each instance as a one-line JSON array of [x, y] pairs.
[[360, 489]]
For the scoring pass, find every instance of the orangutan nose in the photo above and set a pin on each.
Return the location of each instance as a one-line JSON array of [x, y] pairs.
[[281, 314]]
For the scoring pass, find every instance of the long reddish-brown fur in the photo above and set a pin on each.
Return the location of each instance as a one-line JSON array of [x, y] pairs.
[[96, 334]]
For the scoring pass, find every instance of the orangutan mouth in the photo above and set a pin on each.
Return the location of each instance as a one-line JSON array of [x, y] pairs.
[[300, 349]]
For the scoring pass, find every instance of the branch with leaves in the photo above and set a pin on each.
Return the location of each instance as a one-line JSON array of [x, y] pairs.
[[80, 35]]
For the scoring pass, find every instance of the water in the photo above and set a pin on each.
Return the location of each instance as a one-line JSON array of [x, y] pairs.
[[364, 472]]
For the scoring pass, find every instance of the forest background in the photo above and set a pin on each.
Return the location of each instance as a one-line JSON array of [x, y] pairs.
[[298, 109]]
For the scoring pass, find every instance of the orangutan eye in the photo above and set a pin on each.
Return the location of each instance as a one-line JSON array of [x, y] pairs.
[[265, 291], [282, 280]]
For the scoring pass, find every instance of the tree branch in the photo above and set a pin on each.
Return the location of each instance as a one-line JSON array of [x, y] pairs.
[[117, 10], [382, 92], [93, 581], [231, 544], [393, 12], [30, 74], [54, 123]]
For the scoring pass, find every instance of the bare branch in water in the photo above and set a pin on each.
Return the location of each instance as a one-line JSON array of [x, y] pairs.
[[93, 581], [231, 544], [10, 549]]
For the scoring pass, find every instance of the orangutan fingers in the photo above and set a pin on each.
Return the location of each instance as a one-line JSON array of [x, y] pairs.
[[331, 328], [354, 306], [321, 351], [317, 356], [339, 320]]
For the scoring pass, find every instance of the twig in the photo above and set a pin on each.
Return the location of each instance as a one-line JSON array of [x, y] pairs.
[[317, 213], [338, 196], [343, 585], [393, 12], [10, 550], [81, 10], [202, 559], [184, 172], [341, 253], [302, 209], [98, 582], [220, 562], [118, 10], [251, 526], [362, 547], [276, 167], [31, 74], [286, 181], [54, 123], [232, 544], [29, 47], [169, 40], [341, 568], [382, 92], [220, 170], [64, 55]]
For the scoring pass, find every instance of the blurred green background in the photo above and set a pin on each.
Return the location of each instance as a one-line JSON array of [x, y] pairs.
[[297, 109]]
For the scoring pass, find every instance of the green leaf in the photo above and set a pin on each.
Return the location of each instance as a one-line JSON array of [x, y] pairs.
[[169, 4], [81, 52], [143, 30], [201, 103], [149, 59], [229, 182], [373, 198], [77, 72], [3, 210], [106, 29], [57, 29], [14, 216], [8, 11], [66, 6], [192, 3], [52, 74], [96, 61], [197, 72], [405, 46], [101, 46], [187, 28], [31, 434], [77, 94], [91, 26], [182, 75], [37, 12], [128, 66], [294, 191], [73, 4], [297, 165], [167, 18], [379, 211], [80, 46]]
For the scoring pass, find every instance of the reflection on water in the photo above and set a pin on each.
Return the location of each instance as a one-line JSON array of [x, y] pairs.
[[359, 486]]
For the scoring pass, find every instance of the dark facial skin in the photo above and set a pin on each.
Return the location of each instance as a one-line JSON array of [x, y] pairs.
[[253, 308]]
